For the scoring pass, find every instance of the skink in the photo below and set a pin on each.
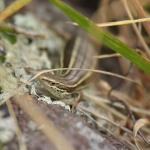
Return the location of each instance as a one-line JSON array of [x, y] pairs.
[[78, 53]]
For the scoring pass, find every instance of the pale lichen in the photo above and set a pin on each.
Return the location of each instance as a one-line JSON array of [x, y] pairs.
[[27, 52]]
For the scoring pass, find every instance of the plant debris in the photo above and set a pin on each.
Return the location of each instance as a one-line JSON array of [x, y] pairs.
[[112, 114]]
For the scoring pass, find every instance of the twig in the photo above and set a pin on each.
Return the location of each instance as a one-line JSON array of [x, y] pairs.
[[141, 12], [13, 8], [146, 48], [19, 134], [48, 127]]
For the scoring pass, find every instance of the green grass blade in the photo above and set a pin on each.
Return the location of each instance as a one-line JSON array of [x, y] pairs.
[[105, 37]]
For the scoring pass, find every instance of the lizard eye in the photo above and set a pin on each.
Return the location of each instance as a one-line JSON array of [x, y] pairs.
[[52, 83]]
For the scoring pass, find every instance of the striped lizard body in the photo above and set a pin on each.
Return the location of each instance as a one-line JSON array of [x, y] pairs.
[[80, 55]]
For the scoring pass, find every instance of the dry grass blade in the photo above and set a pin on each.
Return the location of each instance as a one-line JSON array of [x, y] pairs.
[[127, 99], [99, 100], [90, 70], [141, 12], [105, 37], [96, 114], [39, 117], [124, 22], [14, 7], [107, 56], [22, 145], [138, 125], [117, 23], [102, 103], [18, 30], [146, 48]]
